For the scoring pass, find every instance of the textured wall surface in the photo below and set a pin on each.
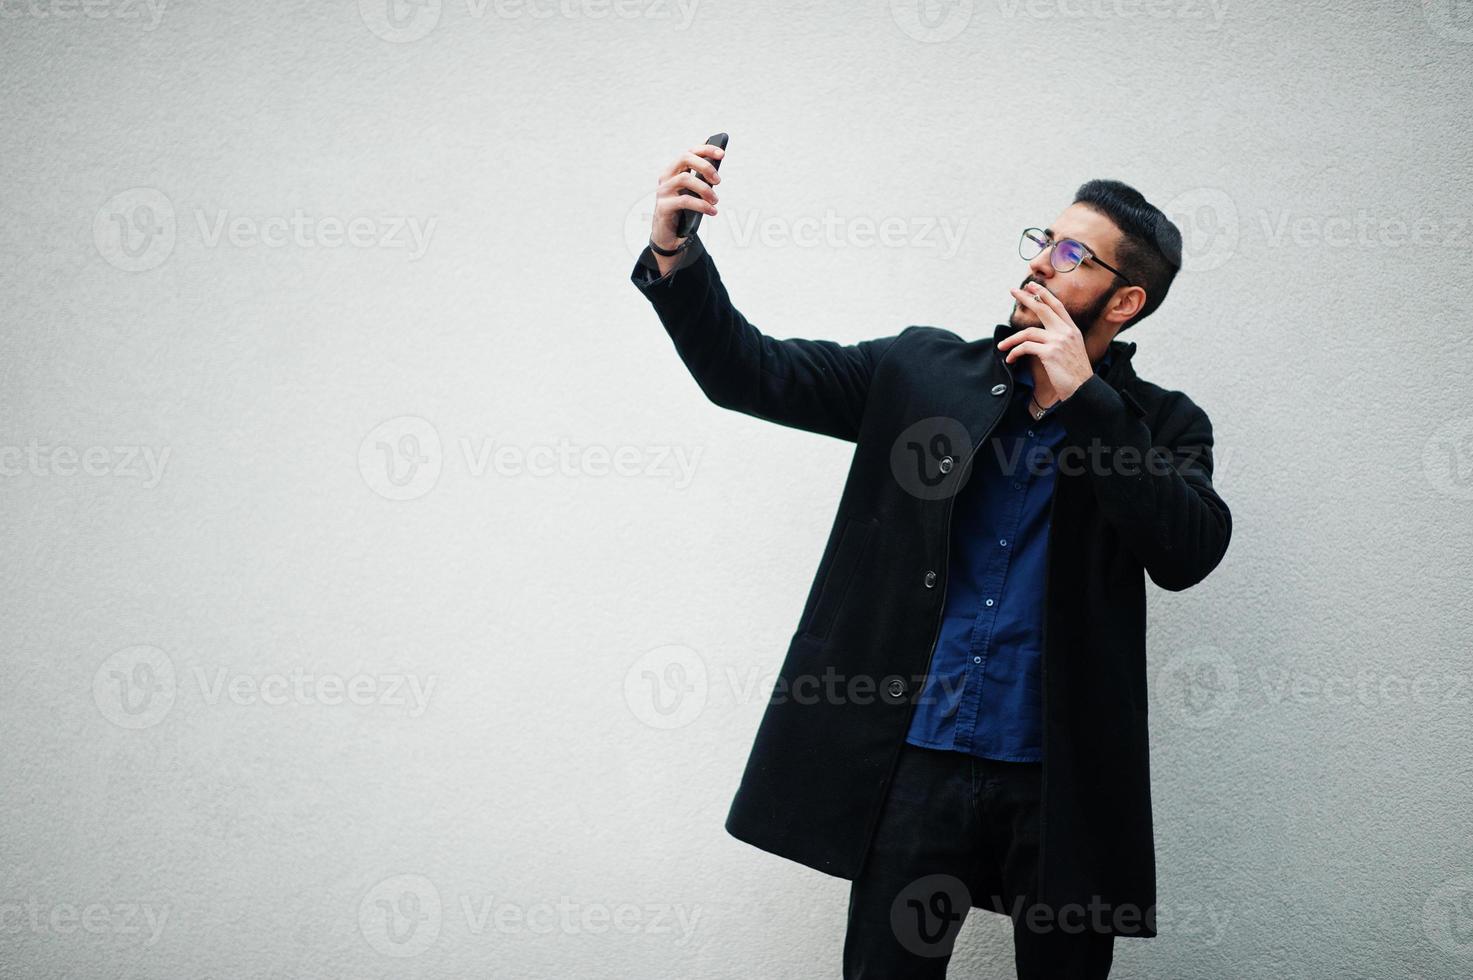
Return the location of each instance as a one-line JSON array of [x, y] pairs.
[[383, 599]]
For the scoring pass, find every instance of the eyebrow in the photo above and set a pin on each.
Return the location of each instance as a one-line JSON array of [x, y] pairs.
[[1049, 234]]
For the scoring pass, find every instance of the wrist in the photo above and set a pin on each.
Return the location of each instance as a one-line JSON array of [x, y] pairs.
[[1069, 388], [667, 260], [659, 249]]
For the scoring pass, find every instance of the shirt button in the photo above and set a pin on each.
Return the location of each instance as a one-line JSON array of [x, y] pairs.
[[930, 580], [945, 464], [1003, 542], [1017, 486], [989, 602], [998, 389], [1030, 433], [976, 660]]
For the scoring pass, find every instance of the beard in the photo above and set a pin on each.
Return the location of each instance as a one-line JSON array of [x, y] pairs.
[[1083, 316]]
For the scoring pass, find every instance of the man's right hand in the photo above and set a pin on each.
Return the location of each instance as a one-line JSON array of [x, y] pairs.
[[669, 202]]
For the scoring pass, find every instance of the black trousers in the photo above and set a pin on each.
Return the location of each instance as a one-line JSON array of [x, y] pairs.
[[959, 831]]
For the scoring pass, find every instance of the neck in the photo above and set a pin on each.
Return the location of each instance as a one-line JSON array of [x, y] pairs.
[[1043, 388]]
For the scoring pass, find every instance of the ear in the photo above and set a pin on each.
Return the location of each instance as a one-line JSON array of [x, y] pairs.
[[1126, 303]]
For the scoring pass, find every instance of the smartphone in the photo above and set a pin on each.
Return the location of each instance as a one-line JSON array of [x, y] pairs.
[[691, 220]]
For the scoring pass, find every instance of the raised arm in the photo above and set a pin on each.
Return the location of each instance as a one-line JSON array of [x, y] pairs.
[[817, 385]]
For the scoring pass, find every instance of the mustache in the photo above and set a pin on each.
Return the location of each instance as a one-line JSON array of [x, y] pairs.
[[1030, 279], [1081, 317]]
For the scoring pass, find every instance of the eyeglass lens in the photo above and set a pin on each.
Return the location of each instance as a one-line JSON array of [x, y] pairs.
[[1067, 252]]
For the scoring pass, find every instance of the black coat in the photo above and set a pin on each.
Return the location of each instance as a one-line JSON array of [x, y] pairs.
[[1133, 498]]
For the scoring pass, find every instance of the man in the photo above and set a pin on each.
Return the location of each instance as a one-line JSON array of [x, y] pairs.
[[976, 629]]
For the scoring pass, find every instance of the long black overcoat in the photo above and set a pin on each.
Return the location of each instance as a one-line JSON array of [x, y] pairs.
[[1133, 498]]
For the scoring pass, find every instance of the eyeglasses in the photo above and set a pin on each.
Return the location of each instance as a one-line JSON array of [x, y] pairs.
[[1067, 252]]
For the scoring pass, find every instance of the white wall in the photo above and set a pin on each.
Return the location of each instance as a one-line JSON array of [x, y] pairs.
[[1311, 728]]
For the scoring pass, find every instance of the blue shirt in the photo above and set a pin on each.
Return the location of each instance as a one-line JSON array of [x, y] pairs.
[[984, 692]]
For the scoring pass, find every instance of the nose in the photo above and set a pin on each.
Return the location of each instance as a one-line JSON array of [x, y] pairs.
[[1041, 266]]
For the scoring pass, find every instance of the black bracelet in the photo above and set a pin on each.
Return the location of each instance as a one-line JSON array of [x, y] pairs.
[[667, 252]]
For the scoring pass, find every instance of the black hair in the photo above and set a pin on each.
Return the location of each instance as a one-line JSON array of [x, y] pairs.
[[1149, 252]]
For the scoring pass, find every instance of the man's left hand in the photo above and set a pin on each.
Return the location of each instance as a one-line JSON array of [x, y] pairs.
[[1058, 344]]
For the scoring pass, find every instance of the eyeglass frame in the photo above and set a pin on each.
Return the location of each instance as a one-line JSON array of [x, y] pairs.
[[1089, 253]]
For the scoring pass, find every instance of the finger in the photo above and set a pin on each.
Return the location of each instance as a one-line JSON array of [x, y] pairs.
[[1027, 333], [667, 204], [1026, 347], [709, 150], [1046, 314], [689, 160], [691, 182], [1035, 292], [1054, 303], [700, 158]]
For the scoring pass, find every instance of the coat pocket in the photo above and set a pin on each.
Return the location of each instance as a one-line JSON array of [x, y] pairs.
[[837, 575]]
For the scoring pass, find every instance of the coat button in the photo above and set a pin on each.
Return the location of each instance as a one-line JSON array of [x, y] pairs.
[[896, 688], [945, 464], [999, 388], [930, 580]]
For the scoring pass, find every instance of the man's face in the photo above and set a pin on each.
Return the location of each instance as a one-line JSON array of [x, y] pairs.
[[1087, 289]]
